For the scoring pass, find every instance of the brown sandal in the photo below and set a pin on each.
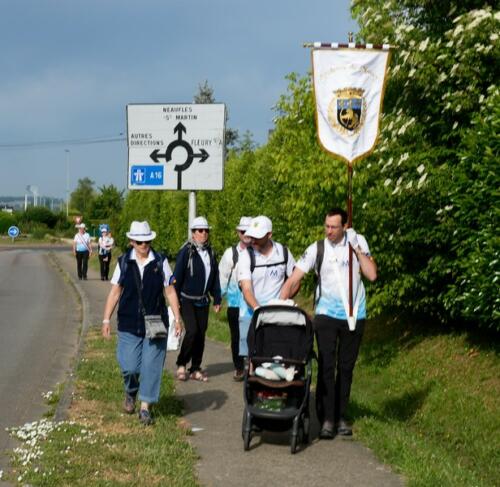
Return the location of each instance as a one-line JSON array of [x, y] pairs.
[[181, 373], [199, 375]]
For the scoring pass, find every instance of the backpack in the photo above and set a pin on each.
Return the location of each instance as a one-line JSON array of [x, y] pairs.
[[235, 261], [320, 253], [192, 251], [251, 252]]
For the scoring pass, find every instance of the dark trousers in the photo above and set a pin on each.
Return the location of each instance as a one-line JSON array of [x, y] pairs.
[[338, 349], [195, 321], [233, 318], [82, 260], [104, 265]]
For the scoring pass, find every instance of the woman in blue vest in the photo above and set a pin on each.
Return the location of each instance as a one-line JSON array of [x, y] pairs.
[[141, 270], [196, 276]]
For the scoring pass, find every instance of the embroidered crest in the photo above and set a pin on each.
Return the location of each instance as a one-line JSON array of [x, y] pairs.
[[347, 110]]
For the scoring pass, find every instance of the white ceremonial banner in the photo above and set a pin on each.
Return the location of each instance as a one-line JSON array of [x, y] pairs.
[[349, 87]]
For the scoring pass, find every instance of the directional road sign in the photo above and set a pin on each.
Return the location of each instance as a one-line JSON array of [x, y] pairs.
[[176, 146], [13, 231]]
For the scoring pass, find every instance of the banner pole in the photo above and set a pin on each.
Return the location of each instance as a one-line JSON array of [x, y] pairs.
[[349, 225], [349, 216]]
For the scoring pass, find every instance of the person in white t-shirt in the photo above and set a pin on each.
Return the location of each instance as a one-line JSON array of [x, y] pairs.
[[82, 250], [105, 245], [262, 271], [338, 336], [228, 276]]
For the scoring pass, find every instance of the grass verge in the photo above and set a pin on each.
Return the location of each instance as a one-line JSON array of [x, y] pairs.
[[100, 445], [426, 401]]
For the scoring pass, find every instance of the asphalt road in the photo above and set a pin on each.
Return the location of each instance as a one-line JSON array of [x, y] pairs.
[[39, 326]]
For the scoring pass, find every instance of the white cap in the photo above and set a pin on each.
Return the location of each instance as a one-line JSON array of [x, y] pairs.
[[141, 232], [259, 227], [80, 225], [199, 223], [244, 223]]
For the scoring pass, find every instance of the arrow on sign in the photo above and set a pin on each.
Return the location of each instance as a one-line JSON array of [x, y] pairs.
[[179, 128], [204, 155], [155, 155]]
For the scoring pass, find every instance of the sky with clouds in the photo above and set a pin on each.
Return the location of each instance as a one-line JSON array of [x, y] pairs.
[[70, 67]]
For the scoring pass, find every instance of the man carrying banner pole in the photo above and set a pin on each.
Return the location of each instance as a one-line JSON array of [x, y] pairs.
[[349, 84]]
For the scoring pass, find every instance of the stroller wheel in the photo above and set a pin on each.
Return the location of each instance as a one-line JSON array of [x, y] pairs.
[[293, 443], [247, 437], [296, 434], [246, 430], [305, 430]]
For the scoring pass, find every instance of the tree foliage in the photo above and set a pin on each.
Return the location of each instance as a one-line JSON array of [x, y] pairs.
[[83, 196], [434, 175], [108, 204]]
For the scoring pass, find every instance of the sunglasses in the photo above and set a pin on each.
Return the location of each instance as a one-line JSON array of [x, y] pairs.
[[202, 230], [142, 243]]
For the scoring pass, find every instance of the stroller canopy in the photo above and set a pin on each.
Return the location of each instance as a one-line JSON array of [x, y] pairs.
[[280, 330]]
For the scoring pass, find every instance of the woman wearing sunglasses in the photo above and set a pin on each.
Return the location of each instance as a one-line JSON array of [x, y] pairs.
[[141, 281], [196, 279]]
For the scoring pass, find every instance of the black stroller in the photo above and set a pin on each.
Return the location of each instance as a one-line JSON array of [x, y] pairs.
[[278, 379]]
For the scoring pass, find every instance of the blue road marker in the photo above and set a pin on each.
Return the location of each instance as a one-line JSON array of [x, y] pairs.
[[13, 232]]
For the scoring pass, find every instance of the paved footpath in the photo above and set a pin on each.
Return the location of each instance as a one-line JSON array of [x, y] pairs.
[[215, 410]]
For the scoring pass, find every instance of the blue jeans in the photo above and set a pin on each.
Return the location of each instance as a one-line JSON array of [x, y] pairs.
[[141, 361]]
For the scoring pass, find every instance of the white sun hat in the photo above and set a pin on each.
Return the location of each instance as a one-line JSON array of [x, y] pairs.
[[244, 223], [141, 232], [200, 223], [259, 227], [80, 225]]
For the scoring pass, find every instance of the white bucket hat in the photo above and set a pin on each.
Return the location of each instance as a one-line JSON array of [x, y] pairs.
[[200, 223], [244, 223], [80, 225], [140, 232], [259, 227]]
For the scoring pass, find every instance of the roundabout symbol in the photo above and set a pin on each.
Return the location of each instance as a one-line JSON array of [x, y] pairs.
[[203, 155], [13, 232]]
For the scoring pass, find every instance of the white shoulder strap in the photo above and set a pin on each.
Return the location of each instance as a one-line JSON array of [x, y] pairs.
[[351, 320]]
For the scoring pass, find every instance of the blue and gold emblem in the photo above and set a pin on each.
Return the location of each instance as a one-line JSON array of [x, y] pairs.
[[347, 110]]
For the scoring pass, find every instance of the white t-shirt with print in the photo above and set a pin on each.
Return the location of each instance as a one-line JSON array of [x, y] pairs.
[[330, 302], [82, 241], [266, 281]]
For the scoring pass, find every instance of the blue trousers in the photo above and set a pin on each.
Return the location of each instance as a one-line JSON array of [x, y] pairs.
[[244, 326], [141, 362]]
